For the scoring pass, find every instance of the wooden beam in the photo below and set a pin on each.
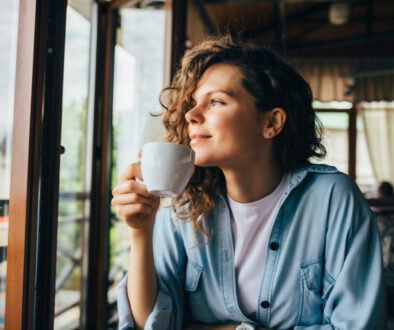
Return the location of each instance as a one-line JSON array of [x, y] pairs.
[[352, 134], [205, 16], [369, 17], [176, 13], [280, 13], [343, 42], [300, 15], [305, 32]]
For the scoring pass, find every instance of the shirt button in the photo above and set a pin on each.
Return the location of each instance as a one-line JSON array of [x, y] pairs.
[[274, 246], [265, 304]]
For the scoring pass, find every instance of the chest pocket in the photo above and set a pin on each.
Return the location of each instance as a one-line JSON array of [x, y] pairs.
[[196, 295], [193, 274], [311, 301]]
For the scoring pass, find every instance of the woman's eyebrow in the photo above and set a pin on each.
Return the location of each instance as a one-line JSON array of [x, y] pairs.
[[227, 92]]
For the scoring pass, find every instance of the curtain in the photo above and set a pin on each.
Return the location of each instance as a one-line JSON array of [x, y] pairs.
[[378, 119], [367, 82], [330, 80], [353, 80]]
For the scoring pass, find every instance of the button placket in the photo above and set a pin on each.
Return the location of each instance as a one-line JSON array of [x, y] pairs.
[[228, 281], [265, 304], [263, 313]]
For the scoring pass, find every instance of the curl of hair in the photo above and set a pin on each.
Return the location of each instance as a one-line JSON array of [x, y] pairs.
[[271, 82]]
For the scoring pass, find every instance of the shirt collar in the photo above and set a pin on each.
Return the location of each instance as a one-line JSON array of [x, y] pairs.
[[297, 175]]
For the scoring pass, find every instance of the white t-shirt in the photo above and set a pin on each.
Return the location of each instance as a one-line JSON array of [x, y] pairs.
[[251, 228]]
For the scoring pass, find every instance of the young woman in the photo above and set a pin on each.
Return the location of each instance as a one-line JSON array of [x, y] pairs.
[[260, 237]]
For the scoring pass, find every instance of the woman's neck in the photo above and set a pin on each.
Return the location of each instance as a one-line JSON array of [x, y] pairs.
[[253, 181]]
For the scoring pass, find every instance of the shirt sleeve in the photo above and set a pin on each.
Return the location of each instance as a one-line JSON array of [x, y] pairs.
[[124, 313], [356, 298], [169, 257]]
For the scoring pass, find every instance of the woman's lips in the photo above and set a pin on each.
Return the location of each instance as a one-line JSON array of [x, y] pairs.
[[195, 138]]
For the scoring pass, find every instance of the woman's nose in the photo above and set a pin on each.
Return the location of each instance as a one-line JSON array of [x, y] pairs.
[[194, 116]]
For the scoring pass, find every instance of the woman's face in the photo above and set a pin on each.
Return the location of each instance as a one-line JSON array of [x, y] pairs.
[[225, 128]]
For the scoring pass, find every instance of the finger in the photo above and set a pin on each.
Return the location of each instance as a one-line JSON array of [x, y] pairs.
[[131, 186], [133, 198], [131, 172], [127, 211]]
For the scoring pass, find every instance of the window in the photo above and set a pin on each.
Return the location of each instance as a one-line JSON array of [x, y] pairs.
[[75, 165], [138, 80], [67, 254], [335, 118], [335, 138], [366, 178]]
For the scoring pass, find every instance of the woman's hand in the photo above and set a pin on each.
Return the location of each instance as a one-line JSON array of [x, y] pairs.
[[133, 202], [138, 208]]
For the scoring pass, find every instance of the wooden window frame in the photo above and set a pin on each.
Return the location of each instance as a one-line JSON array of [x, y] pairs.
[[31, 259], [352, 135]]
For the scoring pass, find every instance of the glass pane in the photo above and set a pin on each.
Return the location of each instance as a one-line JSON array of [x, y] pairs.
[[74, 167], [377, 125], [139, 68], [335, 139], [8, 43]]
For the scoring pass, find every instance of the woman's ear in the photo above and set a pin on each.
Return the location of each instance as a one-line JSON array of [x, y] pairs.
[[274, 122]]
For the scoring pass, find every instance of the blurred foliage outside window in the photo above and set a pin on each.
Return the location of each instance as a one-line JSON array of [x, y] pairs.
[[73, 191], [138, 80]]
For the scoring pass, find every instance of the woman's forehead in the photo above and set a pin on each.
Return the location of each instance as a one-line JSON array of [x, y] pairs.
[[219, 78]]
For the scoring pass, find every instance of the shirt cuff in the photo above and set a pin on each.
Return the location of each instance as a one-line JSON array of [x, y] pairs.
[[124, 313], [159, 319]]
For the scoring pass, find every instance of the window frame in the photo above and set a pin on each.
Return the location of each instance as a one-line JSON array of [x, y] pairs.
[[36, 136], [31, 258], [352, 135]]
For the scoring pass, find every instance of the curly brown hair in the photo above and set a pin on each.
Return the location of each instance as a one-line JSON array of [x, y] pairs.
[[271, 82]]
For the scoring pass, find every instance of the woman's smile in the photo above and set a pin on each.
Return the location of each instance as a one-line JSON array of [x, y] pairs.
[[197, 138]]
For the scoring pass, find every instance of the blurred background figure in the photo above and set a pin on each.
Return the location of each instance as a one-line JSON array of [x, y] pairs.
[[385, 189]]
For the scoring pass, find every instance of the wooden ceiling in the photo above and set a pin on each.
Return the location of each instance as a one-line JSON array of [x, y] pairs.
[[302, 27]]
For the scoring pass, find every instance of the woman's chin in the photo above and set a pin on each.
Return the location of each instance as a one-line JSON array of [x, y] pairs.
[[203, 163]]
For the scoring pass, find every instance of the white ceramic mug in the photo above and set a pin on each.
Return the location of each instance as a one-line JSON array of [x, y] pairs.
[[166, 167]]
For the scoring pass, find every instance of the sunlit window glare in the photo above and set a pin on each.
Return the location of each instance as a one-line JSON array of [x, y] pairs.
[[340, 105]]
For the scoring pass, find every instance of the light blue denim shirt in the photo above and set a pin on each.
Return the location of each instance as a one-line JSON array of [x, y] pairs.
[[323, 267]]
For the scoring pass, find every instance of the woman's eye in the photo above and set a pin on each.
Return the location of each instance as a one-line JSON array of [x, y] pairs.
[[216, 102]]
